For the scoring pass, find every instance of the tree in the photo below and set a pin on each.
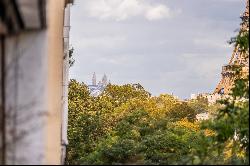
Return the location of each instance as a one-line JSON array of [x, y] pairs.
[[71, 59], [125, 125]]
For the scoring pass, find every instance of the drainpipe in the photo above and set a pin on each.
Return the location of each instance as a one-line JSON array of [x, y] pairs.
[[65, 81]]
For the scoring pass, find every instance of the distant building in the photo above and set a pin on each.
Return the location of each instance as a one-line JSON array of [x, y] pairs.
[[94, 79], [104, 80], [193, 96], [211, 98], [202, 116], [97, 89]]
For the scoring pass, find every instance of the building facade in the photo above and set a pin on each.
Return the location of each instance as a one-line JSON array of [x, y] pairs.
[[96, 89], [33, 93]]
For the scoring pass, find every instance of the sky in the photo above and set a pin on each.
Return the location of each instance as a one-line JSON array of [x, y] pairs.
[[168, 46]]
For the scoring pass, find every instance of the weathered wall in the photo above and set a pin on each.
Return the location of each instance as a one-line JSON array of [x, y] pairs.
[[34, 91], [25, 97]]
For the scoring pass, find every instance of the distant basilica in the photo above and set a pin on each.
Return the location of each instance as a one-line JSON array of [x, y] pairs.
[[96, 89]]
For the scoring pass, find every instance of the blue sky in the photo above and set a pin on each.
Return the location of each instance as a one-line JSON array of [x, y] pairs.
[[168, 46]]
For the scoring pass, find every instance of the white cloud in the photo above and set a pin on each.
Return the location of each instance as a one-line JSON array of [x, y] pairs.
[[203, 65], [158, 12], [115, 60], [212, 43], [100, 41], [183, 55], [124, 9]]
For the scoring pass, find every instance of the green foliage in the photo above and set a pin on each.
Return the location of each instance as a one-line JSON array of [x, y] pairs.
[[71, 59], [119, 127], [125, 125]]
